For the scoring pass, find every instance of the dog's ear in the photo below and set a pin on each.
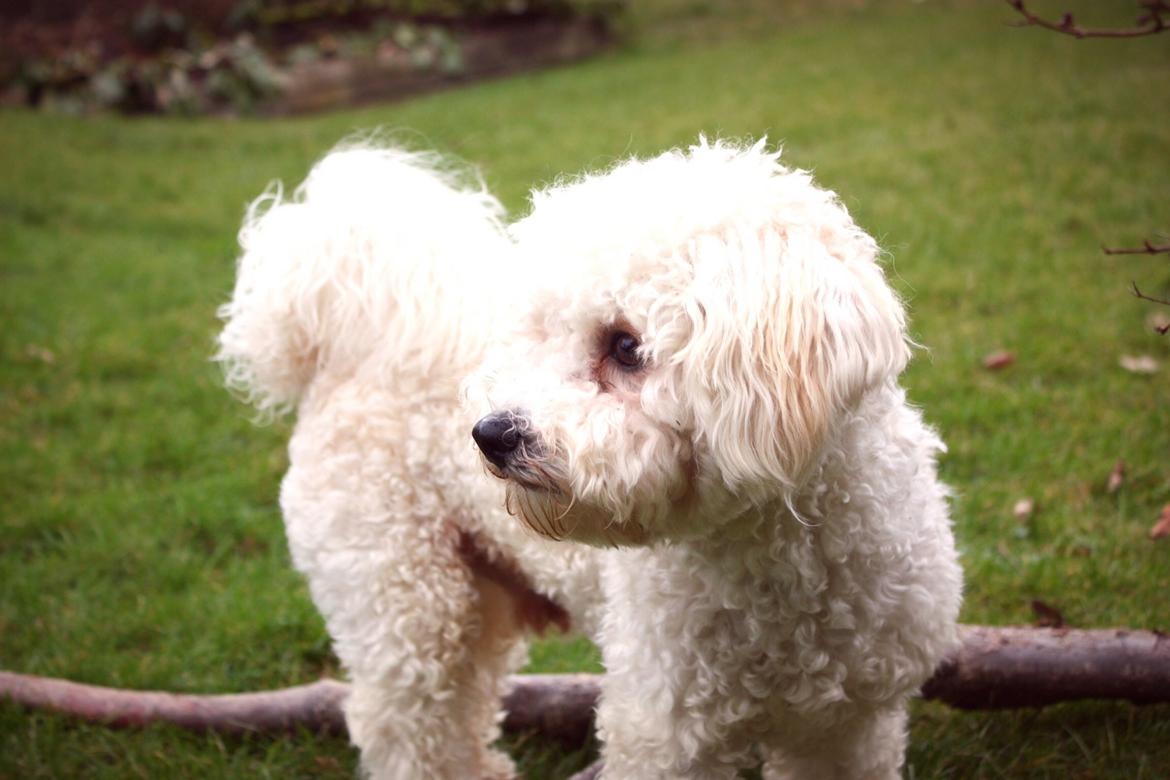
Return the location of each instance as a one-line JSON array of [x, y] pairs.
[[791, 325]]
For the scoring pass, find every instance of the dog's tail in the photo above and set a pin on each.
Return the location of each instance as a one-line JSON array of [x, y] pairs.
[[378, 249]]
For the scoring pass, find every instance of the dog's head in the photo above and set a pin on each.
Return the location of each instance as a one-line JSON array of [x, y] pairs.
[[714, 315]]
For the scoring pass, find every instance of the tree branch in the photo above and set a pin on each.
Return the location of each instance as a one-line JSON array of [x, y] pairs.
[[315, 707], [997, 668], [1152, 22], [994, 668]]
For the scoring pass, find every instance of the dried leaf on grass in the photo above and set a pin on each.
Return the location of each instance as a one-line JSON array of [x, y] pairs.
[[1047, 616], [1162, 527], [997, 360], [1158, 321], [40, 353], [1024, 508], [1138, 364], [1116, 477]]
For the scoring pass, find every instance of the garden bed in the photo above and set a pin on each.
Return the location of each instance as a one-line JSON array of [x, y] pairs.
[[282, 57], [489, 51]]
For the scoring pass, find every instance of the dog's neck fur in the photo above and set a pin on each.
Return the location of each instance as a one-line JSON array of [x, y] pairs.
[[859, 531], [849, 476]]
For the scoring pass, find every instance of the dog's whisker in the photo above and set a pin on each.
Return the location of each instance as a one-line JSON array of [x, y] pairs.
[[576, 524], [561, 517], [533, 515], [558, 528], [558, 531], [537, 515], [555, 516], [524, 511]]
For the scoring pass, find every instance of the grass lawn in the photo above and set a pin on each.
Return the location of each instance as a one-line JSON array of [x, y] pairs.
[[140, 541]]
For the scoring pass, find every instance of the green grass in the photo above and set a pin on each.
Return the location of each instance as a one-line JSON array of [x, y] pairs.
[[140, 542]]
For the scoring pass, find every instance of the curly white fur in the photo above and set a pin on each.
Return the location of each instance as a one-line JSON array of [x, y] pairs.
[[789, 578], [363, 302]]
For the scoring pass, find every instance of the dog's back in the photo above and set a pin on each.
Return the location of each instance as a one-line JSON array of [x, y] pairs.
[[378, 250]]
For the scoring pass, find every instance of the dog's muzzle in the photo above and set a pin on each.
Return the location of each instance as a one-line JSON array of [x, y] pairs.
[[499, 436]]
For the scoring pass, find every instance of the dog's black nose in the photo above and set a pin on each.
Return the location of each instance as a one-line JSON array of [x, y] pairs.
[[497, 436]]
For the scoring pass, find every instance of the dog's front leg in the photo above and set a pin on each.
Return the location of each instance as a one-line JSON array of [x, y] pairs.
[[663, 713], [651, 731], [868, 746]]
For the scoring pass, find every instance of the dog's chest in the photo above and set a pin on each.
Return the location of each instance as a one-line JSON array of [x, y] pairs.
[[769, 622]]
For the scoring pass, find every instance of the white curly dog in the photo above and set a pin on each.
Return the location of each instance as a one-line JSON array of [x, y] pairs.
[[711, 384], [364, 301], [693, 358]]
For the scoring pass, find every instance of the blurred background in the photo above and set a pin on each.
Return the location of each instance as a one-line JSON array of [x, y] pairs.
[[140, 540]]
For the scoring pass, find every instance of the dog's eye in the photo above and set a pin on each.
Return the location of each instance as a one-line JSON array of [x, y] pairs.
[[623, 348]]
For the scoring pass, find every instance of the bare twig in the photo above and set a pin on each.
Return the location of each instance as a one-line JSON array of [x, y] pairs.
[[1139, 294], [1160, 329], [1155, 20], [1147, 248]]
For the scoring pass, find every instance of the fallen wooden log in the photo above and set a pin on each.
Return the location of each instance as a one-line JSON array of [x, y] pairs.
[[1002, 668], [994, 668], [556, 706], [315, 707]]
